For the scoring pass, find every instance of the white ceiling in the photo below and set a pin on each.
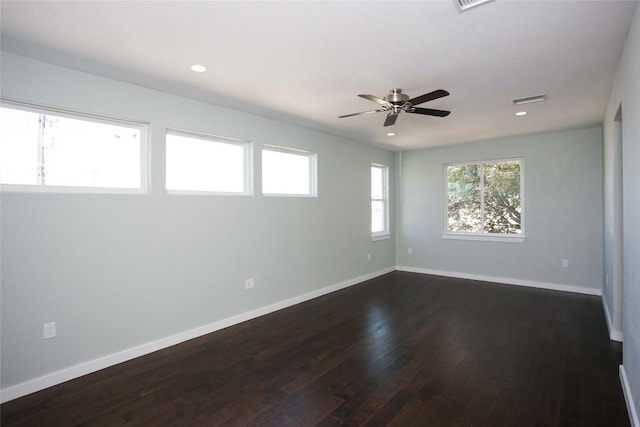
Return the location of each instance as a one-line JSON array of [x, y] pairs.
[[305, 62]]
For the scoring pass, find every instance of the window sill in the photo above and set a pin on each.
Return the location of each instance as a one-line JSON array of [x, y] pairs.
[[28, 188], [289, 195], [485, 237], [377, 237], [204, 193]]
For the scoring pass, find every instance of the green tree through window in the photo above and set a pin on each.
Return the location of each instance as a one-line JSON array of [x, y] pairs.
[[484, 197]]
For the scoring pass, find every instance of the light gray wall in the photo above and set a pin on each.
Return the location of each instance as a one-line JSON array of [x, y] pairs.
[[117, 271], [562, 204], [626, 93]]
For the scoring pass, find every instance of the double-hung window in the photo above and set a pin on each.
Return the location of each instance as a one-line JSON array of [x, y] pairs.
[[379, 202], [288, 172], [206, 164], [54, 150], [484, 200]]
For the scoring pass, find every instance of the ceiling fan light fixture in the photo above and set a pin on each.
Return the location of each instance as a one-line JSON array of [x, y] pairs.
[[464, 5], [521, 113], [391, 134]]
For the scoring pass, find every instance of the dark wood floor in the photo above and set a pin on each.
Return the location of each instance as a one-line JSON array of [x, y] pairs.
[[402, 349]]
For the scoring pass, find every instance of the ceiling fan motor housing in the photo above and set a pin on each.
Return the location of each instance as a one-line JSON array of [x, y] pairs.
[[396, 97]]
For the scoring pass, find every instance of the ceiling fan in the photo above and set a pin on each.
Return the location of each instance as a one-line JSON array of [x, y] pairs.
[[397, 101]]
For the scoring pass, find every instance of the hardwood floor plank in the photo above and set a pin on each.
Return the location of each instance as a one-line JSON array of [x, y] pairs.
[[402, 349], [390, 409]]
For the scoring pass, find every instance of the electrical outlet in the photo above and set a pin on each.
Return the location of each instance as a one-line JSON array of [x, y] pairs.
[[565, 263], [249, 283], [410, 251], [49, 330], [368, 257]]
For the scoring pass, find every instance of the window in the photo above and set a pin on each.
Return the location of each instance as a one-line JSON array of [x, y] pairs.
[[379, 202], [198, 163], [288, 172], [484, 200], [44, 149]]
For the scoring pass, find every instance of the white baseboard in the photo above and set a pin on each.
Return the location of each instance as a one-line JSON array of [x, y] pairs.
[[614, 334], [628, 397], [76, 371], [504, 280]]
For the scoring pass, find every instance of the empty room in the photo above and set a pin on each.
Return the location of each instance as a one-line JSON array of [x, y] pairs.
[[320, 213]]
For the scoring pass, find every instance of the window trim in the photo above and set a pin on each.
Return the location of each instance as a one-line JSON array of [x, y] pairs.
[[143, 127], [247, 163], [386, 232], [487, 237], [313, 170]]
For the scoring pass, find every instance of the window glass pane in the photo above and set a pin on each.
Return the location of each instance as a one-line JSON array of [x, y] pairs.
[[485, 197], [286, 173], [502, 197], [463, 204], [18, 147], [377, 216], [200, 164], [379, 200], [377, 183], [45, 149]]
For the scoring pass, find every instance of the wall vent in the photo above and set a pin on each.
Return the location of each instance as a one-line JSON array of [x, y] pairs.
[[463, 5], [529, 99]]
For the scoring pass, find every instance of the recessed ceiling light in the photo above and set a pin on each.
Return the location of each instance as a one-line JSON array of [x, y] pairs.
[[521, 113], [198, 68], [391, 134]]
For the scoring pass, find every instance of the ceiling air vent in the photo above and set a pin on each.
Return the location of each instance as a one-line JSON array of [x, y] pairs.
[[529, 99], [463, 5]]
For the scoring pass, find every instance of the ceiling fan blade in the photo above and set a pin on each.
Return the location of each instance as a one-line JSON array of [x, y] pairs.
[[429, 96], [374, 99], [391, 119], [430, 112], [363, 112]]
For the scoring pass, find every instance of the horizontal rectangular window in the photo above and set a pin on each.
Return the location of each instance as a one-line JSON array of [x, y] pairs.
[[288, 172], [484, 199], [199, 163], [44, 149]]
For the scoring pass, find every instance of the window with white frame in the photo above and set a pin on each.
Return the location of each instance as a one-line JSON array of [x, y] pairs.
[[379, 201], [46, 149], [200, 163], [484, 200], [288, 172]]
